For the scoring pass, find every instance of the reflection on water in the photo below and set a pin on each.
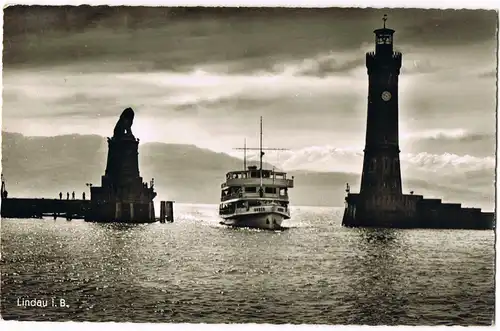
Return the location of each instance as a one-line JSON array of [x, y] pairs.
[[195, 270], [377, 279]]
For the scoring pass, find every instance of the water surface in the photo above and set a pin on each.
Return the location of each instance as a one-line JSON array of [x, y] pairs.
[[195, 270]]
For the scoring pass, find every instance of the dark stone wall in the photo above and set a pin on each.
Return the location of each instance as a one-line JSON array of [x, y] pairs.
[[107, 212], [414, 212]]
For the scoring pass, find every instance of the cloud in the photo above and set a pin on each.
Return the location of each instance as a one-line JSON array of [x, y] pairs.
[[461, 135], [158, 39], [321, 65], [448, 164], [453, 141], [488, 74], [330, 103], [424, 66], [438, 27], [331, 159], [168, 91], [321, 158]]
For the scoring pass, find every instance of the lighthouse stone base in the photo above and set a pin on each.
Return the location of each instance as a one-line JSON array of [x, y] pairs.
[[412, 211]]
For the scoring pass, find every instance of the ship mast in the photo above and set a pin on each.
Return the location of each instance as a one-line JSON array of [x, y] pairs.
[[260, 149], [245, 155], [261, 153]]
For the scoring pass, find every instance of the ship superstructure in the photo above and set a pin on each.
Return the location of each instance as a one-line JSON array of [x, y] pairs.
[[255, 197]]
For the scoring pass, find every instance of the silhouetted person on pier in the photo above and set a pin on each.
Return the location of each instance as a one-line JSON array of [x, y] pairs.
[[73, 195], [60, 195], [4, 190], [67, 195], [83, 195]]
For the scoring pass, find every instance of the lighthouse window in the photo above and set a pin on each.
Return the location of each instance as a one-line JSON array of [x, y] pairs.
[[384, 39]]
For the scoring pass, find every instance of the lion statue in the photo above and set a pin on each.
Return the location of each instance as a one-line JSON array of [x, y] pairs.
[[123, 127]]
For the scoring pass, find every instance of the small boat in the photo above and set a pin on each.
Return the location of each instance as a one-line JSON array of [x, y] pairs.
[[255, 197]]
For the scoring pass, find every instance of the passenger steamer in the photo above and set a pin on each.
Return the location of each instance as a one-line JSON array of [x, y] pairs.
[[255, 197]]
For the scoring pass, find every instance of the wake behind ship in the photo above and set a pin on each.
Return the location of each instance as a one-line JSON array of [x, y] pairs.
[[255, 197]]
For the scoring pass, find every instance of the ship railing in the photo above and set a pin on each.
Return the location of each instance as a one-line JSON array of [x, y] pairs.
[[262, 209], [254, 195], [279, 182], [227, 211], [255, 173], [231, 196]]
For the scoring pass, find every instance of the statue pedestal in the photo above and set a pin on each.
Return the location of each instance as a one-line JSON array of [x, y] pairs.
[[122, 170], [122, 196]]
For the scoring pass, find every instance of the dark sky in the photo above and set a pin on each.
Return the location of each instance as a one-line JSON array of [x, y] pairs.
[[203, 76], [31, 31]]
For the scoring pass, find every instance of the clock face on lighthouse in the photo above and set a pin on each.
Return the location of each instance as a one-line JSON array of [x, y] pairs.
[[386, 96]]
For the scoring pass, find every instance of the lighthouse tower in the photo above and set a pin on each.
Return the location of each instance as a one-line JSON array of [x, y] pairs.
[[381, 174], [380, 201]]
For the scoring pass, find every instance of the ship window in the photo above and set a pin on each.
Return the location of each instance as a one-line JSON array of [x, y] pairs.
[[254, 174], [271, 190], [254, 203], [373, 164], [251, 189]]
